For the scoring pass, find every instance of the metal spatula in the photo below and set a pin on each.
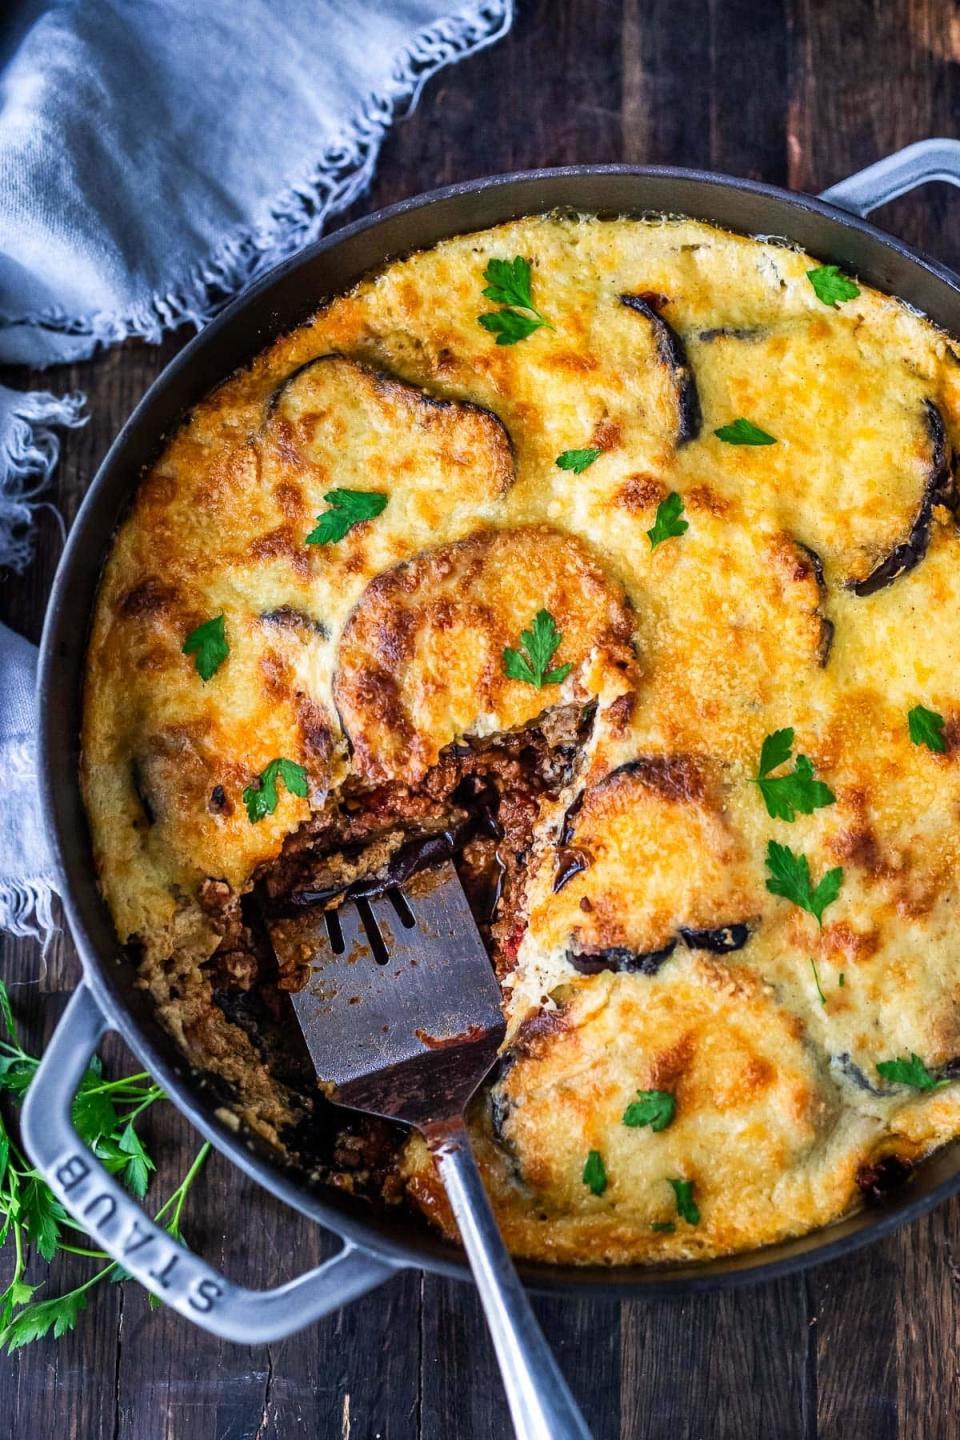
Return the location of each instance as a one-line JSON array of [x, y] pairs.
[[402, 1015]]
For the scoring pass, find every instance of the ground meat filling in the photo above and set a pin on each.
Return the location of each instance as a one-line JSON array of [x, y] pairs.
[[479, 806]]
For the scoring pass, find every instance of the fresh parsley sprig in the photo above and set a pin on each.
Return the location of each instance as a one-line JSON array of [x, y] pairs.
[[744, 432], [796, 793], [926, 728], [261, 798], [509, 284], [668, 522], [790, 877], [595, 1173], [686, 1205], [655, 1108], [208, 646], [105, 1113], [577, 460], [832, 286], [911, 1072], [541, 642], [347, 508]]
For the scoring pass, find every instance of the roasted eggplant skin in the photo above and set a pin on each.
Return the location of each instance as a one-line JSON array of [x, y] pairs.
[[827, 626], [672, 353], [724, 940], [621, 960], [939, 491]]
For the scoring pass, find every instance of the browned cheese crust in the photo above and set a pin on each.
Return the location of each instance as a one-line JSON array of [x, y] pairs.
[[816, 587]]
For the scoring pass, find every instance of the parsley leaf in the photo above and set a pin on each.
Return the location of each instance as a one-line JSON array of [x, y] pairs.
[[541, 643], [926, 728], [508, 283], [663, 1227], [595, 1173], [831, 285], [94, 1113], [509, 326], [744, 432], [786, 796], [909, 1072], [790, 877], [668, 522], [655, 1108], [59, 1315], [686, 1206], [261, 797], [347, 508], [577, 460], [42, 1213], [137, 1167], [208, 645]]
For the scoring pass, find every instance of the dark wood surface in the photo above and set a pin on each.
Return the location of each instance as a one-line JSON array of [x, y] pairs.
[[797, 92]]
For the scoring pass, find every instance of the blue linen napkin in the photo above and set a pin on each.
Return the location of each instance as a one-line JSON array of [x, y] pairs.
[[155, 157]]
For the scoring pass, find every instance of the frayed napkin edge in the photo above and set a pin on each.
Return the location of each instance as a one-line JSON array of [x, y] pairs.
[[29, 451], [300, 211], [26, 909]]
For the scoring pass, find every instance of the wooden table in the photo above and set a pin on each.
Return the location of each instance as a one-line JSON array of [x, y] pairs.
[[795, 92]]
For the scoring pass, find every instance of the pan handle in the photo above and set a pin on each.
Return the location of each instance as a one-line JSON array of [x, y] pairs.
[[105, 1209], [896, 174]]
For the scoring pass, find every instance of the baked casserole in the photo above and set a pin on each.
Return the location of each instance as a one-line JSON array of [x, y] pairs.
[[618, 559]]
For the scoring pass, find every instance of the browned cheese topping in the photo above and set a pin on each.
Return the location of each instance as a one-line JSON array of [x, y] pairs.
[[614, 560]]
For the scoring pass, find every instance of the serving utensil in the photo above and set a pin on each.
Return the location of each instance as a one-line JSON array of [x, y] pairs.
[[402, 1017]]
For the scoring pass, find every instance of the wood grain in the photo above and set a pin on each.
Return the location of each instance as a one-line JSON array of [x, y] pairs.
[[790, 91]]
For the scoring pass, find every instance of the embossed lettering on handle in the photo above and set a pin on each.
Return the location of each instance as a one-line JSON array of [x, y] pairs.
[[113, 1218]]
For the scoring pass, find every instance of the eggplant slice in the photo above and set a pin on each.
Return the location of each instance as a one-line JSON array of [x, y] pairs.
[[939, 490], [337, 422], [826, 625], [620, 959], [672, 353], [624, 893]]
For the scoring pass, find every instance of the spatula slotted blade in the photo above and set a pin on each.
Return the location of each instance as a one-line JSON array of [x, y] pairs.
[[402, 1009]]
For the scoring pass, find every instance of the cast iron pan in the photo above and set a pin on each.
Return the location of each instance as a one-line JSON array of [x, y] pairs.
[[375, 1246]]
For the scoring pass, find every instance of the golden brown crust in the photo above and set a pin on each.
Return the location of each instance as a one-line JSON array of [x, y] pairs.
[[407, 684], [361, 660]]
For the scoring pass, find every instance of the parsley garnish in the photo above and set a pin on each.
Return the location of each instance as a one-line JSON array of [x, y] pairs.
[[790, 877], [786, 796], [347, 508], [541, 643], [663, 1227], [668, 522], [208, 645], [508, 283], [926, 728], [744, 432], [577, 460], [595, 1173], [816, 981], [686, 1206], [260, 798], [655, 1108], [831, 285], [909, 1072], [105, 1113]]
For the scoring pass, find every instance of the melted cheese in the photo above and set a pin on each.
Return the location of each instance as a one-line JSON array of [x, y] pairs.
[[365, 658]]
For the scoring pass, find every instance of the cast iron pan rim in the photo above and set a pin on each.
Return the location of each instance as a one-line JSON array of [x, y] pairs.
[[372, 1233]]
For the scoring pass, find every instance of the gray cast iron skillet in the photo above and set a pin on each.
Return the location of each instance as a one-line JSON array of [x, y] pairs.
[[376, 1246]]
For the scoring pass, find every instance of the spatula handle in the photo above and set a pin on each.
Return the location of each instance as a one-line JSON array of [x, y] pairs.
[[541, 1405]]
